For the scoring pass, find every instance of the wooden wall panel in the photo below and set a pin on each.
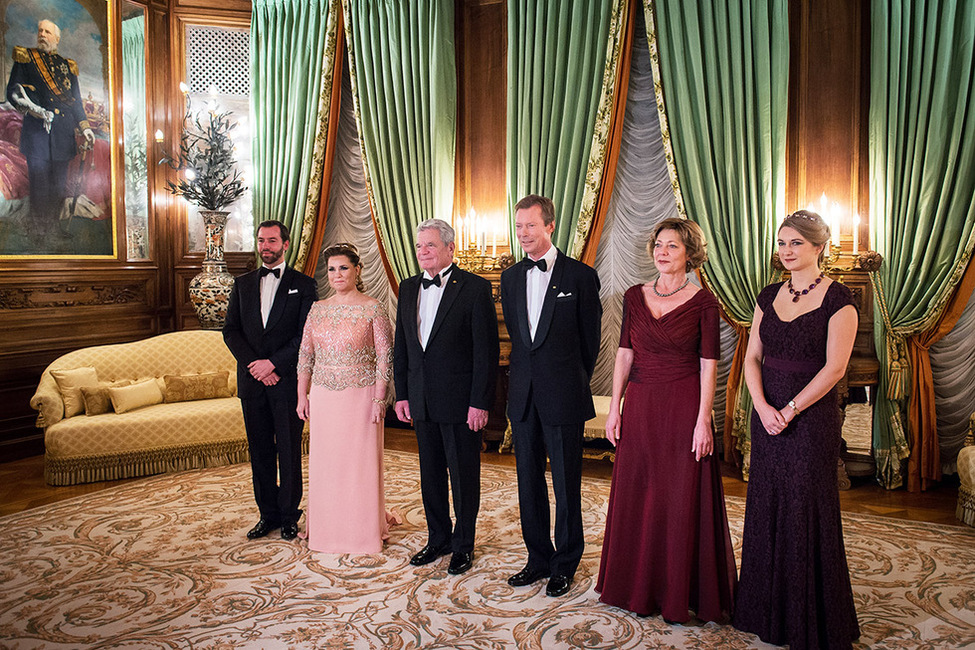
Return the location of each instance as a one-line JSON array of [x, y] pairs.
[[829, 107], [481, 41]]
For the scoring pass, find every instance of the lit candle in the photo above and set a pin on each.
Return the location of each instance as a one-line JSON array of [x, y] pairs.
[[494, 237], [823, 206], [159, 135], [834, 223], [183, 88], [471, 230], [856, 234]]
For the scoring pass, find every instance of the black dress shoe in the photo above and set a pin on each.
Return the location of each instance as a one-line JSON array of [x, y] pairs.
[[262, 528], [428, 554], [527, 576], [289, 530], [558, 586], [460, 562]]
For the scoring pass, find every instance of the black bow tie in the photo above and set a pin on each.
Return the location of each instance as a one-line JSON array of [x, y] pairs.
[[541, 264], [429, 282], [264, 271]]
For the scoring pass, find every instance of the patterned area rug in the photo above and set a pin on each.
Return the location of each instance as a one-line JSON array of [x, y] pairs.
[[163, 563]]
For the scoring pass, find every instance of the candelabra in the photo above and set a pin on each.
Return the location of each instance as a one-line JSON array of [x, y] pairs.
[[479, 260]]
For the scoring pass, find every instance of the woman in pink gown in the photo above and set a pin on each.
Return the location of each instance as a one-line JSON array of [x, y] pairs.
[[667, 548], [344, 366]]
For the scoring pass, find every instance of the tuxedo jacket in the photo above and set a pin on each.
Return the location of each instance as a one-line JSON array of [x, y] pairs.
[[458, 368], [249, 340], [555, 368]]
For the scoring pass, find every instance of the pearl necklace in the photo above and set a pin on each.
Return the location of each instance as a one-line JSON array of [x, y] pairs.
[[665, 295]]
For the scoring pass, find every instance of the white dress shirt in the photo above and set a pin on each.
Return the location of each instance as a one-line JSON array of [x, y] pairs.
[[428, 304], [269, 287], [537, 285]]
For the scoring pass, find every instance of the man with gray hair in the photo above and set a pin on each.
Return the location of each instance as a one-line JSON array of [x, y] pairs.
[[43, 86], [445, 361]]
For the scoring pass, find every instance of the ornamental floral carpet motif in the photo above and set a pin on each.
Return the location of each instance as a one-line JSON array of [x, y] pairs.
[[163, 563]]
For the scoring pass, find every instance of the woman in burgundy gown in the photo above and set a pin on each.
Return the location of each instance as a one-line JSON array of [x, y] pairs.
[[795, 585], [667, 548]]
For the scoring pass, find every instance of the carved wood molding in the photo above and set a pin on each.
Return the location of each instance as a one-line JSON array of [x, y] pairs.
[[75, 294]]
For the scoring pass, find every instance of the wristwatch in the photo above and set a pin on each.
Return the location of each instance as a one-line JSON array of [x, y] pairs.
[[792, 405]]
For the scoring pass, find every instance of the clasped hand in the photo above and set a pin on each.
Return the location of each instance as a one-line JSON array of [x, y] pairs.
[[774, 421], [263, 371]]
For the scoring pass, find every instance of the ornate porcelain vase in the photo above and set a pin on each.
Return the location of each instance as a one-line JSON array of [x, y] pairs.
[[210, 289]]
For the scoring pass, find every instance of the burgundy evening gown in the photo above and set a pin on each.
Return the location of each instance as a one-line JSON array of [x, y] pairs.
[[667, 547], [795, 584]]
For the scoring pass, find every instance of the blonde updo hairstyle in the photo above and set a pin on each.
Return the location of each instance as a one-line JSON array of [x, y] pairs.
[[811, 227], [690, 234], [345, 249]]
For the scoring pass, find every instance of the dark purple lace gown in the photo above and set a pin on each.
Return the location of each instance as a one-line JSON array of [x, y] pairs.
[[794, 587]]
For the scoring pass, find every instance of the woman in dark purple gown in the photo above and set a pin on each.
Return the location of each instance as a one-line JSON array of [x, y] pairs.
[[795, 584], [667, 548]]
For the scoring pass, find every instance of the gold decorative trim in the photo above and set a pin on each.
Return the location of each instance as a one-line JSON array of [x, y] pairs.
[[601, 129]]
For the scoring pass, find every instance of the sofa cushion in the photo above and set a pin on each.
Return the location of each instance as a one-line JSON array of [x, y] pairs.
[[134, 396], [97, 400], [186, 388], [151, 428], [70, 382]]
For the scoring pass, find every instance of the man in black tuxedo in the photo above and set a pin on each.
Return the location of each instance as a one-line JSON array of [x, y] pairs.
[[265, 320], [553, 313], [444, 365]]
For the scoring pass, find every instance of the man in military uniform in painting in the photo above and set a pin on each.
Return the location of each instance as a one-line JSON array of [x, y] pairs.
[[44, 87]]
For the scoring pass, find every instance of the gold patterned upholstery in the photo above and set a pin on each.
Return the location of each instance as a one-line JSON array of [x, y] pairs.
[[149, 440], [966, 472]]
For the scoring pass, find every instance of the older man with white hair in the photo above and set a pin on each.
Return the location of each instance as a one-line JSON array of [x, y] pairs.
[[43, 86]]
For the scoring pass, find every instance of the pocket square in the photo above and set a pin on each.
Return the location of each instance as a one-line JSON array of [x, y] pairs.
[[291, 291], [563, 295]]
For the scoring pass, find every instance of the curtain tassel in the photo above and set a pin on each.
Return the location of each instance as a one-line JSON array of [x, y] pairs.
[[898, 368]]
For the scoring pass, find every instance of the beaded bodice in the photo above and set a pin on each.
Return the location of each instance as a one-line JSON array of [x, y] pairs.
[[346, 346]]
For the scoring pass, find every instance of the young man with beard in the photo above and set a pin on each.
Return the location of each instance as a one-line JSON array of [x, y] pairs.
[[265, 320]]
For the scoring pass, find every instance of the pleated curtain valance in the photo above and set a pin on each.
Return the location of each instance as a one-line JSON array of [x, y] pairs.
[[294, 48]]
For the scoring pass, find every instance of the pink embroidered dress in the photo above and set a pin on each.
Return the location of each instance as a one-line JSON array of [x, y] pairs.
[[348, 351]]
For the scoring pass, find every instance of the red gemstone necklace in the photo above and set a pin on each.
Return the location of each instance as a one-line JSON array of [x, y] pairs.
[[798, 294]]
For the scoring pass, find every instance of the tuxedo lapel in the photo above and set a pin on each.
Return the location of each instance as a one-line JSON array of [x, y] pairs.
[[521, 302], [454, 283], [548, 306], [408, 297], [277, 307], [252, 308]]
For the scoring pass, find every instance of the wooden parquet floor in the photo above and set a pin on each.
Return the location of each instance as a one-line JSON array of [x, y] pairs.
[[22, 487]]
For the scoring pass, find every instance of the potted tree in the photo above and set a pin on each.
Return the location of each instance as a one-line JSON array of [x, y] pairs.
[[208, 178]]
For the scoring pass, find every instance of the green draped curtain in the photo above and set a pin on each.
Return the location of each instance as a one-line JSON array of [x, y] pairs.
[[724, 76], [922, 180], [404, 81], [562, 64], [135, 136], [134, 68], [292, 61]]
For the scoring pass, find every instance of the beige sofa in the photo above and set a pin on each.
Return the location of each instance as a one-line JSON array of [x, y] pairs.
[[152, 439]]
